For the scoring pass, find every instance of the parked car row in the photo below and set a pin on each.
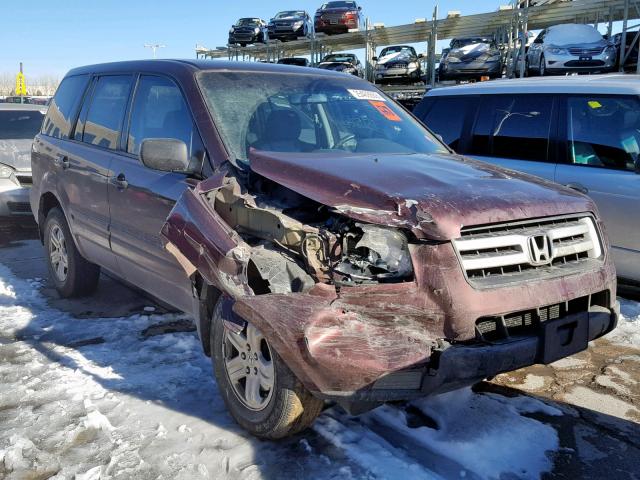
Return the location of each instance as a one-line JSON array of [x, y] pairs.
[[327, 244], [398, 63], [582, 133], [331, 18]]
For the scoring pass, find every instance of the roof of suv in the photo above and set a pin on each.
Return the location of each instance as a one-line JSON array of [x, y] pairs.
[[618, 84], [166, 66]]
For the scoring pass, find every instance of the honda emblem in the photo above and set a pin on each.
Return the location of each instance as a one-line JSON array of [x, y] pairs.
[[540, 249]]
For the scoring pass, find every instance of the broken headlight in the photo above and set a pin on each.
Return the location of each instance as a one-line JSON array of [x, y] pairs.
[[374, 254]]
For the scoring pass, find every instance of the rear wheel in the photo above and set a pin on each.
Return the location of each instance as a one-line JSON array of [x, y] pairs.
[[259, 390], [72, 275]]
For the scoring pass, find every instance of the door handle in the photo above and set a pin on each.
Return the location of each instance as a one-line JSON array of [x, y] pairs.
[[61, 161], [578, 187], [120, 181]]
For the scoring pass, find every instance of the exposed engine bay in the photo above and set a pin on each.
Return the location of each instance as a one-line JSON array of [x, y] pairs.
[[298, 242]]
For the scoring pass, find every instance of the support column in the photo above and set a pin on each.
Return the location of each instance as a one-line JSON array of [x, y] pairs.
[[524, 38], [432, 47], [623, 40]]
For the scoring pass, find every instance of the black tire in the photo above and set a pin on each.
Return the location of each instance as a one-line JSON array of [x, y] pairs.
[[291, 407], [81, 276], [542, 68]]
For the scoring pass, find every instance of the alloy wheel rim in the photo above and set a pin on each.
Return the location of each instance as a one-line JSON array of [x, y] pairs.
[[248, 364], [58, 253]]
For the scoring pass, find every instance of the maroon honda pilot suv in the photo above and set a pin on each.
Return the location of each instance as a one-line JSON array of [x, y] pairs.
[[338, 17], [328, 246]]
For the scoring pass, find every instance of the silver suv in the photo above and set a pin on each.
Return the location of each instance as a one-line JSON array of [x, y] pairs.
[[582, 132]]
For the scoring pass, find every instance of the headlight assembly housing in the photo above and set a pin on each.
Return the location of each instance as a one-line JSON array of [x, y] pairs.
[[377, 254], [5, 171], [557, 51]]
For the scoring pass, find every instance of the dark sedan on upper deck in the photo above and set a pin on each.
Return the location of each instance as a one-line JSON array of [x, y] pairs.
[[290, 25]]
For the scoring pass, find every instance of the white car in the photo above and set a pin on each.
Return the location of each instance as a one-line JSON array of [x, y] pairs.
[[570, 48]]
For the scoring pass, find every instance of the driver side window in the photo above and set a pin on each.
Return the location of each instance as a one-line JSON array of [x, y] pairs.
[[160, 111]]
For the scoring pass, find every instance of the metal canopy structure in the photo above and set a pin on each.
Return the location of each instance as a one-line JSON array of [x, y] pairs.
[[507, 25]]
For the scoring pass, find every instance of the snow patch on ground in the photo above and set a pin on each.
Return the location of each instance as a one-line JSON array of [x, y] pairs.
[[486, 433], [628, 330], [94, 398]]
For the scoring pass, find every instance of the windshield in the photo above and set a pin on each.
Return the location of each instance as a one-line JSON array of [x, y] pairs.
[[20, 124], [338, 58], [338, 5], [309, 113], [247, 21], [463, 42], [290, 14], [390, 50], [572, 34]]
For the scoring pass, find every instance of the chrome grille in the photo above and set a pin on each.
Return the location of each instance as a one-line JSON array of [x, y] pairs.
[[586, 52], [514, 252]]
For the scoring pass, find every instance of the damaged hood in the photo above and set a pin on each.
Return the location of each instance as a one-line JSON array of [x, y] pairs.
[[471, 52], [337, 66], [403, 56], [433, 195]]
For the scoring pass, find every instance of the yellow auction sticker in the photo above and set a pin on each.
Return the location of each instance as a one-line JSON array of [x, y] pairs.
[[594, 104]]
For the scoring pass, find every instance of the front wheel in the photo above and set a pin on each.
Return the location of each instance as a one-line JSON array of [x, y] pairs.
[[259, 390], [72, 275], [542, 70]]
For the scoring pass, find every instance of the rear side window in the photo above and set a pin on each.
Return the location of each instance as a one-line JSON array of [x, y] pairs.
[[64, 106], [446, 117], [604, 131], [513, 126], [160, 111], [106, 111], [20, 124]]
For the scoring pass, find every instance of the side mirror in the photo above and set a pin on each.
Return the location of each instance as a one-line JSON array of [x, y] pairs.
[[420, 55], [164, 154], [538, 40], [375, 59], [360, 9]]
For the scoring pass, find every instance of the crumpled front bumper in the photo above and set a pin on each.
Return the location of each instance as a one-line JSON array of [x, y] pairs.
[[389, 342]]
